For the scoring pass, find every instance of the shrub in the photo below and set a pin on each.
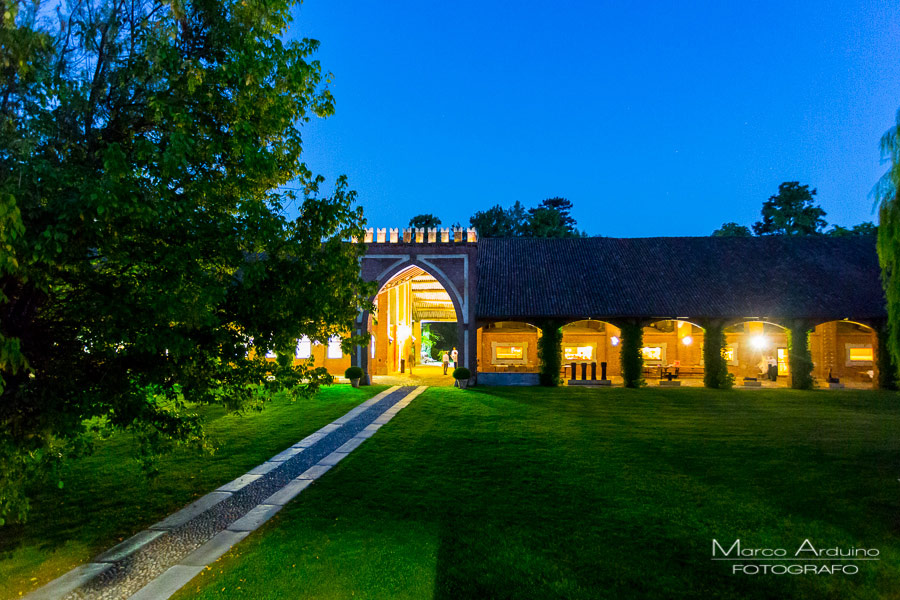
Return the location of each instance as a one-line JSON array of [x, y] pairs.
[[461, 373], [353, 373], [800, 359], [550, 353], [632, 359], [715, 367], [887, 369]]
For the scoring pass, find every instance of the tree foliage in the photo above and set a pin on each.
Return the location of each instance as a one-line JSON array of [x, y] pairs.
[[144, 150], [791, 212], [864, 228], [550, 352], [732, 229], [889, 234], [631, 357], [551, 218], [715, 367], [499, 222], [425, 221], [799, 356]]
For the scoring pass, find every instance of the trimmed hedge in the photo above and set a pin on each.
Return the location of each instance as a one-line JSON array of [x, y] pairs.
[[715, 367], [461, 373], [550, 353], [353, 373], [632, 359], [799, 356], [887, 367]]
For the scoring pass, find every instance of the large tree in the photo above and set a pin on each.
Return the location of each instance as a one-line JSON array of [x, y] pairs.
[[498, 222], [144, 152], [425, 221], [550, 219], [889, 234], [732, 229], [791, 212]]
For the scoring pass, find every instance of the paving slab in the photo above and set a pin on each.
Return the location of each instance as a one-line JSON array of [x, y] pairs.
[[333, 459], [314, 472], [172, 579], [135, 542], [287, 493], [258, 515], [239, 483], [217, 545], [351, 444], [61, 586], [192, 510], [264, 468], [286, 454], [368, 431], [309, 440]]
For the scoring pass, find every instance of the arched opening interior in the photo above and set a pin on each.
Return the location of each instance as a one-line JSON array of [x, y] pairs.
[[413, 324], [673, 347], [508, 347], [757, 349], [844, 352], [591, 341]]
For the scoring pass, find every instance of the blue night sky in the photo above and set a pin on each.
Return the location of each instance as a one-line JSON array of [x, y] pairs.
[[653, 119]]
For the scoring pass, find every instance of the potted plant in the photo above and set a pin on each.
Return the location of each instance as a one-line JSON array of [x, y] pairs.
[[461, 375], [354, 374]]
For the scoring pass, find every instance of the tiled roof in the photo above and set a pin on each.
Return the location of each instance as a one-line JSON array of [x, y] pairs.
[[819, 277]]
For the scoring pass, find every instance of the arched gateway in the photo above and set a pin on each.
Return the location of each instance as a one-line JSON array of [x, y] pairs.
[[417, 272], [592, 287]]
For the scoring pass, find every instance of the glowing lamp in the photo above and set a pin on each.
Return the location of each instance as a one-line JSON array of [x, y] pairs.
[[687, 340], [403, 332], [614, 340], [759, 342]]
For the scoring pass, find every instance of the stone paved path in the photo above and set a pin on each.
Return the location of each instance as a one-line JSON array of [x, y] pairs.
[[158, 561]]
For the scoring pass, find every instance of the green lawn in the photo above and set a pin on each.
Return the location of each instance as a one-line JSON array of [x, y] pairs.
[[106, 498], [574, 493]]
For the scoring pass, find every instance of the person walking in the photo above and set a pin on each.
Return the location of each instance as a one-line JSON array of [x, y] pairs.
[[411, 357], [454, 356], [446, 360]]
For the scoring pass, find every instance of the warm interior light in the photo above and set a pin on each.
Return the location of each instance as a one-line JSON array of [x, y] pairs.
[[614, 341], [403, 332], [759, 342], [687, 340]]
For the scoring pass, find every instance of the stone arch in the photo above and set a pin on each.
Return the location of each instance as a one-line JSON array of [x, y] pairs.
[[747, 350], [518, 339], [845, 352], [389, 274]]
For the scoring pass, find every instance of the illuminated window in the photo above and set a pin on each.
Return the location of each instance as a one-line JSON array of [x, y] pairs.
[[334, 347], [510, 352], [859, 354], [652, 353], [728, 353], [304, 348], [373, 345], [574, 353], [784, 363], [271, 354]]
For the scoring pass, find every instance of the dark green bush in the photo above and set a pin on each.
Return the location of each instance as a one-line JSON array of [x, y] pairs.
[[715, 367], [353, 373], [461, 373], [887, 367], [550, 353], [632, 360], [799, 357]]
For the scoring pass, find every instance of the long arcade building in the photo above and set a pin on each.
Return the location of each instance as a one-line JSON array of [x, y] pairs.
[[502, 292]]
